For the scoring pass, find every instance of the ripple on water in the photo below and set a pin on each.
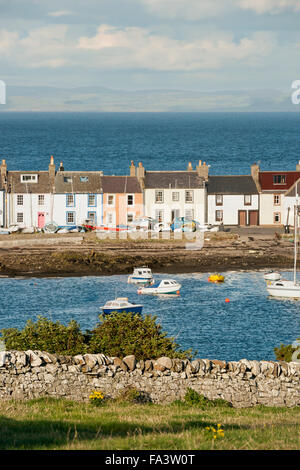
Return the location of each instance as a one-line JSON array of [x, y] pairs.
[[249, 325]]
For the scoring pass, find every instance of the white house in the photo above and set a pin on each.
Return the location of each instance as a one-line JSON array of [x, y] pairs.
[[171, 194], [232, 200], [77, 198]]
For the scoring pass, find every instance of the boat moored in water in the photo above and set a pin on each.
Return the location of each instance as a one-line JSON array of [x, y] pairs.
[[121, 304], [272, 276], [166, 286], [141, 275]]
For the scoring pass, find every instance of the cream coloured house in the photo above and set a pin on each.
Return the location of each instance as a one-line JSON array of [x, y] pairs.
[[172, 194]]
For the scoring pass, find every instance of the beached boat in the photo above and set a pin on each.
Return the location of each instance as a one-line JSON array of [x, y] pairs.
[[121, 304], [141, 275], [166, 286]]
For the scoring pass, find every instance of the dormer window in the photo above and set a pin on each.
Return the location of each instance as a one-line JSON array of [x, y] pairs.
[[29, 178], [84, 179], [279, 179]]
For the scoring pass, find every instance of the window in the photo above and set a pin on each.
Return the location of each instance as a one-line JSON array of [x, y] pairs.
[[129, 218], [111, 199], [219, 199], [279, 179], [29, 178], [20, 200], [247, 200], [189, 214], [84, 179], [159, 215], [70, 218], [189, 196], [276, 199], [20, 217], [219, 216], [41, 199], [110, 218], [70, 200], [159, 196], [277, 217], [175, 196], [91, 200], [92, 217], [67, 179], [130, 200]]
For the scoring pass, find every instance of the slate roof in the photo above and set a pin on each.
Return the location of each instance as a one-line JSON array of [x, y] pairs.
[[82, 182], [120, 184], [239, 184], [173, 179], [16, 186]]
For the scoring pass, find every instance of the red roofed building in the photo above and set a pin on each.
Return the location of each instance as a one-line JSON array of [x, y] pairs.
[[272, 186]]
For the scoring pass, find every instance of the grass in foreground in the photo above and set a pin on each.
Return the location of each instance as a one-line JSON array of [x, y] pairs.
[[46, 424]]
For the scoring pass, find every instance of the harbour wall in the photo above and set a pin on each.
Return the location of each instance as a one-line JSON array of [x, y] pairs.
[[34, 374]]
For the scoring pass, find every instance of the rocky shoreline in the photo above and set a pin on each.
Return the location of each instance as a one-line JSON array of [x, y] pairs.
[[91, 257]]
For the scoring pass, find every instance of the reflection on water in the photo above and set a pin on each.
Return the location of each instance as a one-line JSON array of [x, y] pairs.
[[249, 326]]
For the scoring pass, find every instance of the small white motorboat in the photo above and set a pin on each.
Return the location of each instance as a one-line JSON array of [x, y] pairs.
[[121, 304], [272, 276], [166, 286], [141, 275], [284, 289]]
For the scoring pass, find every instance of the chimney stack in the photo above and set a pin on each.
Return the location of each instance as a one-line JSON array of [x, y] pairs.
[[132, 169], [61, 166], [3, 172], [202, 170], [140, 171], [298, 166], [52, 170], [255, 175], [189, 168]]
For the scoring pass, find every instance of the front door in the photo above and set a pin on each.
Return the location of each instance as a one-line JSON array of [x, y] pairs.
[[253, 217], [242, 218], [41, 219], [174, 214]]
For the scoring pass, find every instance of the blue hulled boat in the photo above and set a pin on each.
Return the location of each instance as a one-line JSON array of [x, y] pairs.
[[121, 304]]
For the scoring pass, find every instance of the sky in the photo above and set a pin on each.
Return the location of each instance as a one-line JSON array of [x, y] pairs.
[[152, 54]]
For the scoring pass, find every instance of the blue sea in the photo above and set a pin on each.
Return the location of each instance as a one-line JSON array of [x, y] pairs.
[[229, 142], [251, 324]]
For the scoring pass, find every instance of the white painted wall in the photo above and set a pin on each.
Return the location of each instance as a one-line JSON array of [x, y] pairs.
[[80, 209], [268, 209], [2, 208], [230, 207], [30, 209], [198, 205]]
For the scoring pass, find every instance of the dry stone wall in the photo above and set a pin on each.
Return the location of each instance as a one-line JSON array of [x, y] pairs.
[[34, 374]]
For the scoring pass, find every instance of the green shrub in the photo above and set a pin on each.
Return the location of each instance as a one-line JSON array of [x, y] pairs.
[[117, 334], [45, 335], [285, 352], [131, 394], [122, 334], [193, 398]]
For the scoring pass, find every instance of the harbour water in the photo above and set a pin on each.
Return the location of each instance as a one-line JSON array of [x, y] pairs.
[[249, 326]]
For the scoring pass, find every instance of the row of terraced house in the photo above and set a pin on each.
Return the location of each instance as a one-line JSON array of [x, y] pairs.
[[35, 198]]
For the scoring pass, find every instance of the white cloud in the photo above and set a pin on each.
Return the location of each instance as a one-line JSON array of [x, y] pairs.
[[60, 13], [269, 6], [8, 39], [139, 48], [193, 10]]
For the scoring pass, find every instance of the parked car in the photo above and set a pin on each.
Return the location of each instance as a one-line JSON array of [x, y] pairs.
[[181, 224], [143, 223], [161, 227]]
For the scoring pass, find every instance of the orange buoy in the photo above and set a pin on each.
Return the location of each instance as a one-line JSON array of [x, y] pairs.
[[227, 300]]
